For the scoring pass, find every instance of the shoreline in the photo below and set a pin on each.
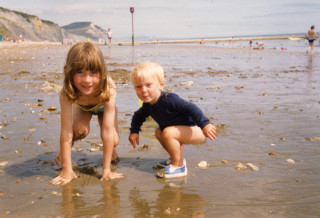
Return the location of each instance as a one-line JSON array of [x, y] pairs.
[[199, 40], [203, 40]]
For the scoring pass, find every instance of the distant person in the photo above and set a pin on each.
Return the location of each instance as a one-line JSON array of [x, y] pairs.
[[250, 43], [109, 36], [180, 122], [311, 36], [87, 90]]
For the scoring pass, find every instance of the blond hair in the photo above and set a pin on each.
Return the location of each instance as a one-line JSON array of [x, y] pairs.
[[86, 55], [145, 68]]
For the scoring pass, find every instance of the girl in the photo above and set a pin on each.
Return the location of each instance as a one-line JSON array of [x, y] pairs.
[[87, 90]]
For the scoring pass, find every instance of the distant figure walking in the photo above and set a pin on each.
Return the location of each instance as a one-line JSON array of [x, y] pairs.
[[109, 35], [311, 36]]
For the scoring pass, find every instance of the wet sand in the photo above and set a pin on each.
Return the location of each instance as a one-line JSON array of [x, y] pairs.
[[265, 104]]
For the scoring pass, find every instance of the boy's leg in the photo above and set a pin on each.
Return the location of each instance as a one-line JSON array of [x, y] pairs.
[[158, 134], [174, 136]]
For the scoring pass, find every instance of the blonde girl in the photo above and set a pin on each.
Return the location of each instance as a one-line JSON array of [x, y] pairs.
[[87, 90]]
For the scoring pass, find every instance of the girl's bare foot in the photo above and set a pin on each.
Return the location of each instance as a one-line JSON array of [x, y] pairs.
[[62, 180]]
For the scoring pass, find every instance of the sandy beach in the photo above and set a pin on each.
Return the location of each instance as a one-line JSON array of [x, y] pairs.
[[264, 103]]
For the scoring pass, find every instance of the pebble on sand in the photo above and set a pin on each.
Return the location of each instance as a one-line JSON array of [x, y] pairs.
[[240, 166], [253, 167], [3, 163], [290, 161], [203, 164]]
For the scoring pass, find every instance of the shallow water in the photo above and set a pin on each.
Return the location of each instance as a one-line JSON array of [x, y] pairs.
[[261, 101]]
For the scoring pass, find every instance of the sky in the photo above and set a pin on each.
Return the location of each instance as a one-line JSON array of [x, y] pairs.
[[180, 18]]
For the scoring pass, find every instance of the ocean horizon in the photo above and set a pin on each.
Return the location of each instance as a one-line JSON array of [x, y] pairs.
[[165, 38]]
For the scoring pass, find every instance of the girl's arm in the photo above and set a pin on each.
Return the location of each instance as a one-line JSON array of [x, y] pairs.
[[108, 129], [66, 134]]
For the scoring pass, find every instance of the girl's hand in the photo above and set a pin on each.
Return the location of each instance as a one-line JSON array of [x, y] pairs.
[[134, 139], [63, 178], [210, 131], [108, 175]]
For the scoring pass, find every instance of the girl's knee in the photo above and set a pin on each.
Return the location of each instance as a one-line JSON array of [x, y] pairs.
[[116, 140], [80, 133]]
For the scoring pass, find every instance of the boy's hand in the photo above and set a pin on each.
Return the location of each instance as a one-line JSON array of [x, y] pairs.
[[134, 139], [210, 131]]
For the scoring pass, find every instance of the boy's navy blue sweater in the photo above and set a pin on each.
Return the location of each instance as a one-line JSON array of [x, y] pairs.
[[169, 110]]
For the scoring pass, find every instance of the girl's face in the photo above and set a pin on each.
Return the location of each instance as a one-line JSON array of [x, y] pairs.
[[148, 88], [86, 81]]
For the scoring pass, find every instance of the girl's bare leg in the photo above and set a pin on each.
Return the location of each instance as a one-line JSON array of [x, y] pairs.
[[115, 156], [81, 127]]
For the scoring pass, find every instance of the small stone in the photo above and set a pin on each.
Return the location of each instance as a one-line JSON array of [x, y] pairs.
[[253, 167], [52, 109], [203, 164], [94, 149], [3, 163], [290, 161], [240, 166]]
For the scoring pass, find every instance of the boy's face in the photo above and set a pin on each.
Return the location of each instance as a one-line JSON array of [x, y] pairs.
[[148, 88]]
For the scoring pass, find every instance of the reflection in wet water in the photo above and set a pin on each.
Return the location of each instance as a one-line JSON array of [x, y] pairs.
[[74, 202], [172, 200]]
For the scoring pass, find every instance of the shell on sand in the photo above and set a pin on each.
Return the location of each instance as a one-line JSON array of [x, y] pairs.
[[253, 167], [203, 164], [3, 163], [290, 161], [240, 166]]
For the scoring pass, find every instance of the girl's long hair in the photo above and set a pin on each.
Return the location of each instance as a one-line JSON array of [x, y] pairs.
[[86, 55]]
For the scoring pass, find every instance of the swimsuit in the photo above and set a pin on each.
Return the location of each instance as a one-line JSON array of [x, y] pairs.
[[311, 39], [95, 110]]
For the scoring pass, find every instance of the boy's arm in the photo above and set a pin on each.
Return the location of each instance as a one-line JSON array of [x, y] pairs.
[[138, 119], [210, 131], [197, 115], [134, 139], [190, 109]]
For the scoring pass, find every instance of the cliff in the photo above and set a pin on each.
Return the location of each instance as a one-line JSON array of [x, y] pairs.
[[14, 24], [86, 29]]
